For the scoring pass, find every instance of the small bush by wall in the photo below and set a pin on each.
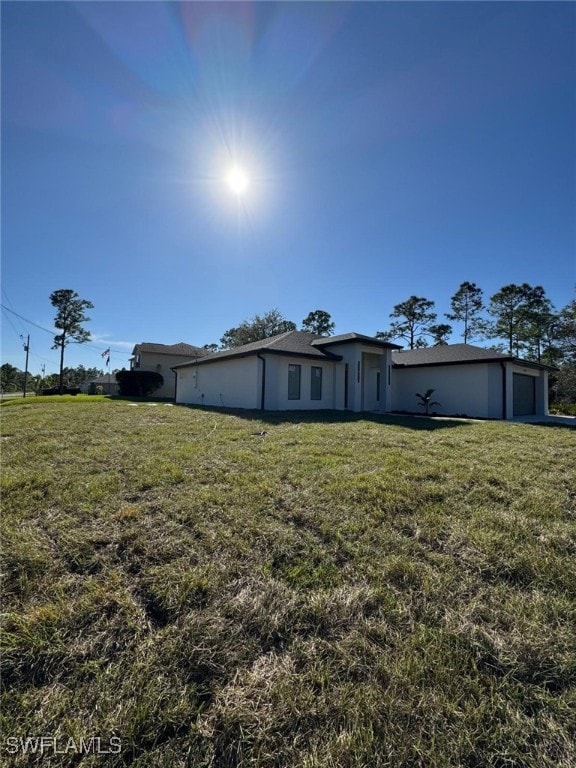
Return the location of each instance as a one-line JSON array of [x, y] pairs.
[[138, 383], [65, 391]]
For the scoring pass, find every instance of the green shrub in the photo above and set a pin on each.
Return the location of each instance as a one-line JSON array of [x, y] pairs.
[[138, 383], [564, 409]]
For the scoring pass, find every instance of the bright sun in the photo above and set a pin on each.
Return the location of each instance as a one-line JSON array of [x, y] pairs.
[[237, 180]]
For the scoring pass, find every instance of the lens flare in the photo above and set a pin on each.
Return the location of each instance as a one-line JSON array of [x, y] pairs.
[[237, 180]]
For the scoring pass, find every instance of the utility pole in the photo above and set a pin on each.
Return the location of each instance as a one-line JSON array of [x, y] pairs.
[[27, 350]]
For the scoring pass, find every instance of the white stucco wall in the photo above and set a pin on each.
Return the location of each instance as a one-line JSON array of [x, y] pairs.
[[352, 357], [471, 390], [364, 362], [162, 364], [238, 383], [228, 383], [376, 369], [277, 384], [474, 390]]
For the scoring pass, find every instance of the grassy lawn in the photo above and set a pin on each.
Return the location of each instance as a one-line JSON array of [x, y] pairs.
[[292, 591]]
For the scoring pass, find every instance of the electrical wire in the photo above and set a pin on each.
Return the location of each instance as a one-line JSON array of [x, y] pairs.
[[52, 333], [22, 330], [30, 322], [13, 326]]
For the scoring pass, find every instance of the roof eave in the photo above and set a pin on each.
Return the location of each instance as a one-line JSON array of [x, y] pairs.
[[323, 356], [448, 362], [365, 342], [477, 361]]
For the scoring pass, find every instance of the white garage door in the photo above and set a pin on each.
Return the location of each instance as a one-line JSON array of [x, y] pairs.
[[524, 395]]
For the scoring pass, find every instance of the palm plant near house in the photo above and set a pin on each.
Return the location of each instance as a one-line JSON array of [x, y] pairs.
[[426, 401]]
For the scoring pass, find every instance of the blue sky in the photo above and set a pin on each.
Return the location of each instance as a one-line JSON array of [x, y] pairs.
[[393, 148]]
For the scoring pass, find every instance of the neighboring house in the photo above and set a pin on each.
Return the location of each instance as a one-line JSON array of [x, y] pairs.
[[293, 371], [161, 358], [101, 385], [471, 381], [303, 371]]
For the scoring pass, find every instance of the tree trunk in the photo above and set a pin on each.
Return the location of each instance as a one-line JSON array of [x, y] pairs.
[[61, 385]]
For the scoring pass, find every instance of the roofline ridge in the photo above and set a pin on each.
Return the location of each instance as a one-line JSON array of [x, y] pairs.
[[276, 337]]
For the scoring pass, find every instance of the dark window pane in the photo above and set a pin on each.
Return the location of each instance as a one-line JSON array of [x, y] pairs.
[[316, 383], [294, 382]]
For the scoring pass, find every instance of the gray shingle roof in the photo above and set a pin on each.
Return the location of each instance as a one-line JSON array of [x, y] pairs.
[[186, 350], [343, 338], [452, 354], [298, 343], [105, 379]]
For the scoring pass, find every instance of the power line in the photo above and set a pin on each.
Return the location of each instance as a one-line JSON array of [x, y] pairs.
[[26, 320], [20, 331], [54, 361], [12, 324], [52, 333]]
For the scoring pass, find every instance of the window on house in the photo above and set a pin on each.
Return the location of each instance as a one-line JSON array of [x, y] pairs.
[[316, 383], [294, 372], [378, 386]]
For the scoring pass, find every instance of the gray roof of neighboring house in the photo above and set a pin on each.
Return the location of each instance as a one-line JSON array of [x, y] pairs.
[[453, 354], [186, 350], [297, 343], [107, 378]]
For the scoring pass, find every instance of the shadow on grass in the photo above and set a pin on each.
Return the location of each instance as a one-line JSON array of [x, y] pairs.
[[334, 417]]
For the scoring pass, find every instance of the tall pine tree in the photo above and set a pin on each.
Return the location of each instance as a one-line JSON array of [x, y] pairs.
[[68, 320], [467, 303], [414, 318]]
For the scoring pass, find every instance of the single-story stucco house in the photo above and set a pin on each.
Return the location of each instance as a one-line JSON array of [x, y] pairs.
[[302, 371], [293, 371], [161, 358]]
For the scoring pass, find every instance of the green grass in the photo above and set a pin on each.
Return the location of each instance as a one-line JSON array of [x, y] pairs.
[[312, 591], [9, 400]]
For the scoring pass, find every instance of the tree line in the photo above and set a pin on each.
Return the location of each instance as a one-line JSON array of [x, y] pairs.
[[269, 324], [12, 378], [520, 319], [517, 319]]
